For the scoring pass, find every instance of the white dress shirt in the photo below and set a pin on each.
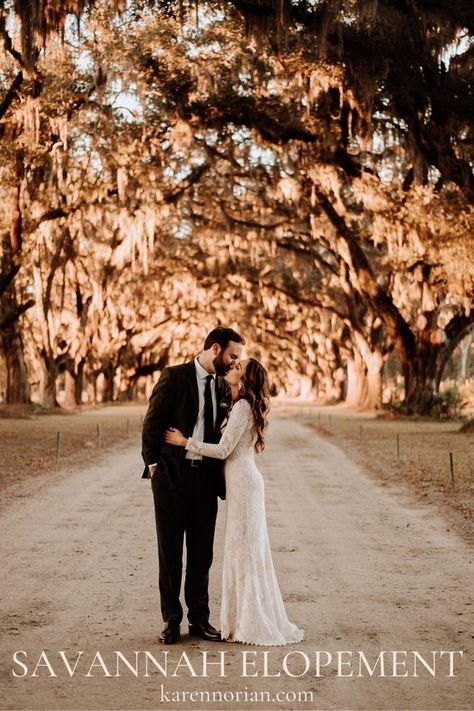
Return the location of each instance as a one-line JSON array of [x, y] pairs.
[[198, 431]]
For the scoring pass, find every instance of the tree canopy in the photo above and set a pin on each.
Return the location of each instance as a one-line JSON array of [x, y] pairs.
[[302, 171]]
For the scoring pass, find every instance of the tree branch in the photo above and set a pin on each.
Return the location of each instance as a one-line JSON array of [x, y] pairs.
[[251, 223], [15, 314], [397, 328], [7, 42], [173, 195], [7, 278], [11, 94]]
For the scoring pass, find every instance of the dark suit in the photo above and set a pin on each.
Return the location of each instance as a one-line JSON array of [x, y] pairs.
[[185, 497]]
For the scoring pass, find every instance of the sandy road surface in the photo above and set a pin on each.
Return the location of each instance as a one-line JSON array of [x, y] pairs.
[[361, 567]]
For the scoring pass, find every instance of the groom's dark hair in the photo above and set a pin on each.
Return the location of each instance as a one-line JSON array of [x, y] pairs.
[[222, 336]]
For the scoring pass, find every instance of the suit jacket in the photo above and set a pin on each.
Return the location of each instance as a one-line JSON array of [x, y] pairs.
[[174, 402]]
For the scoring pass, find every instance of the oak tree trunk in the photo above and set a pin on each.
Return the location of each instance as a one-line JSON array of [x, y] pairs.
[[17, 390], [49, 376], [356, 389], [373, 395]]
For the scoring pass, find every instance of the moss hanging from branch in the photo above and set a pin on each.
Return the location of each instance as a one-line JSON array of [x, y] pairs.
[[38, 19]]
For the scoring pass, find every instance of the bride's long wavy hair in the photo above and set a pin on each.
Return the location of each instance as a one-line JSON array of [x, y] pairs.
[[256, 390]]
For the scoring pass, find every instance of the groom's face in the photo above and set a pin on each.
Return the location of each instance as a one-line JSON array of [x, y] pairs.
[[227, 357]]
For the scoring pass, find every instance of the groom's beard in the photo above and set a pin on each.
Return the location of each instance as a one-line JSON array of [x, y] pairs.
[[220, 366]]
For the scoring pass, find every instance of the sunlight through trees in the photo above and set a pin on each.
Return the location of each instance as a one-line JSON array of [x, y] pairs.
[[300, 170]]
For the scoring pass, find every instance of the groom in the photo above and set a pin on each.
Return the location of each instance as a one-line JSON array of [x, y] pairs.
[[185, 486]]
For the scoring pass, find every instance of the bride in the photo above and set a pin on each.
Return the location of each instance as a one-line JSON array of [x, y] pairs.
[[252, 609]]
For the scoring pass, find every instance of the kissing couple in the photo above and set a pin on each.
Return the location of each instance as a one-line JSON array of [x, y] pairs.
[[204, 423]]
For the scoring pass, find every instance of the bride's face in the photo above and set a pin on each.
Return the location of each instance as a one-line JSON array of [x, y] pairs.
[[235, 375]]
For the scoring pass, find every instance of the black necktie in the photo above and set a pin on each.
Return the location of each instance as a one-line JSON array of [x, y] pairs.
[[209, 429]]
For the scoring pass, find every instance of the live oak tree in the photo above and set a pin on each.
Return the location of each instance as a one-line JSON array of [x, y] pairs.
[[351, 109], [258, 163]]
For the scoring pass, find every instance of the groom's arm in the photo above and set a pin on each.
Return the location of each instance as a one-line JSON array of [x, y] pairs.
[[157, 418]]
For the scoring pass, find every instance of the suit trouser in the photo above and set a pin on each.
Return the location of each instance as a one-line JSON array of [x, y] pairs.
[[185, 513]]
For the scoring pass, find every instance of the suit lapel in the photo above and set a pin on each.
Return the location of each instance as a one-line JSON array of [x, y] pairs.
[[192, 386]]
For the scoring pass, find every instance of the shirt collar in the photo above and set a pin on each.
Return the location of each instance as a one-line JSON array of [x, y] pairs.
[[202, 372]]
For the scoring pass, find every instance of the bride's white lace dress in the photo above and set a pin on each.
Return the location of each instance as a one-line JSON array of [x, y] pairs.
[[252, 609]]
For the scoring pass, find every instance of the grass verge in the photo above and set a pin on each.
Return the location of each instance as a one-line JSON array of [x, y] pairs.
[[413, 451], [34, 441]]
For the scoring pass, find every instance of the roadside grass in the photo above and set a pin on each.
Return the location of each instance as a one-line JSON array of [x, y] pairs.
[[421, 457], [29, 438]]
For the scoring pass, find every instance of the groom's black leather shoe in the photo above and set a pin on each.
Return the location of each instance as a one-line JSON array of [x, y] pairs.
[[170, 634], [205, 631]]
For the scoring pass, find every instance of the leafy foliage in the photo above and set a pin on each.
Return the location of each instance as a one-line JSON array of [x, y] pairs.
[[302, 171]]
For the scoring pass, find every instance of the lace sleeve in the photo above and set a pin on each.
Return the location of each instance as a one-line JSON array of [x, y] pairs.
[[236, 426]]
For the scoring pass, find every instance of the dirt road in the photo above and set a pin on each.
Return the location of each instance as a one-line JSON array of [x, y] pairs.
[[363, 569]]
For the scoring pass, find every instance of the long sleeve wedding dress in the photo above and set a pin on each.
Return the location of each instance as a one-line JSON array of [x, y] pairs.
[[252, 609]]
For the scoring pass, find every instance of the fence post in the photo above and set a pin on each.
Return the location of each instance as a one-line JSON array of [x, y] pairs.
[[451, 466], [58, 448]]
